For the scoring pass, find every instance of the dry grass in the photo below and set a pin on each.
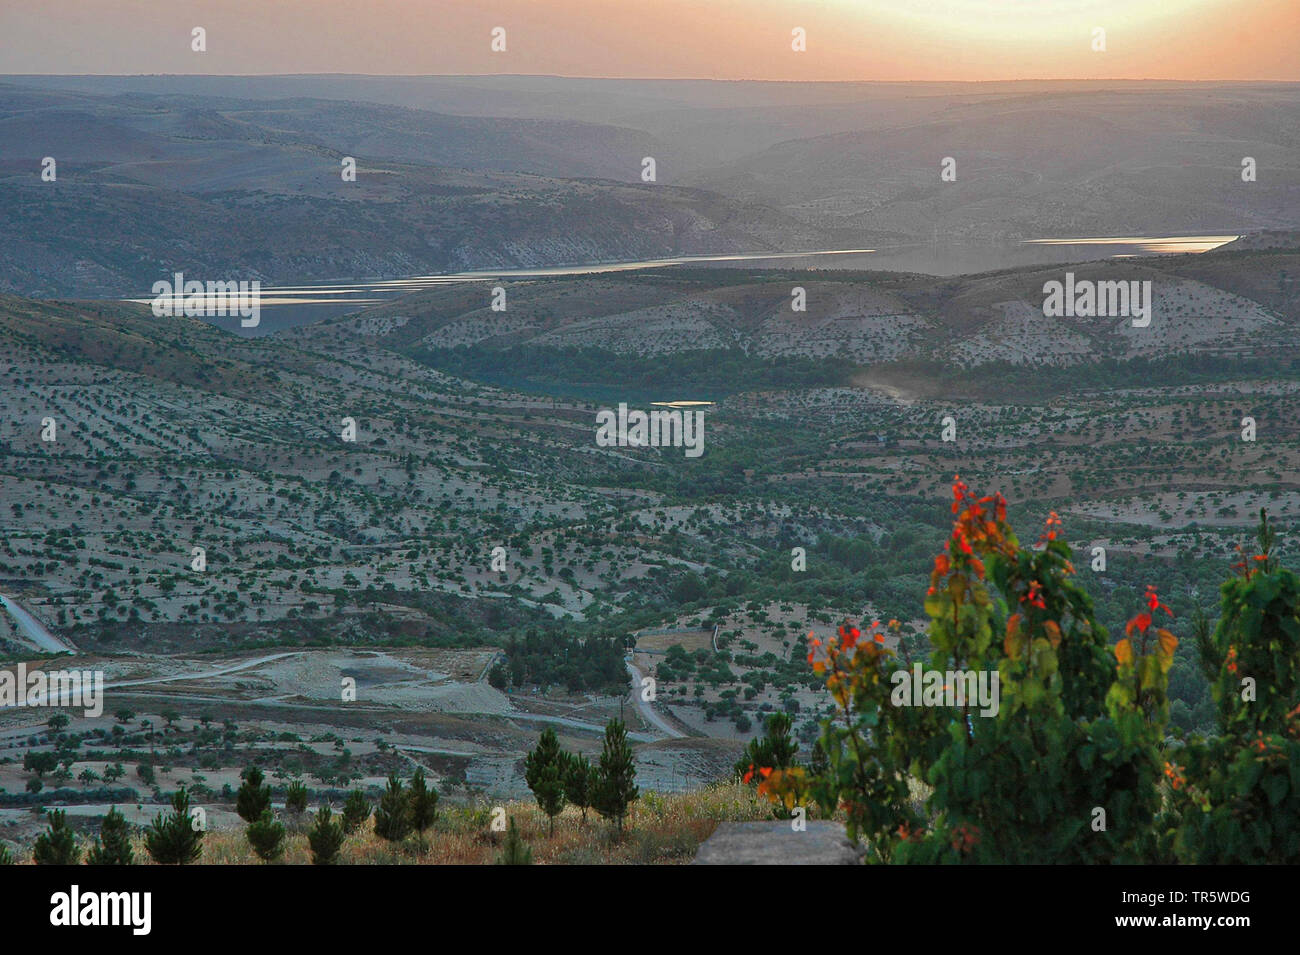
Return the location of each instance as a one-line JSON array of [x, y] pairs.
[[660, 830]]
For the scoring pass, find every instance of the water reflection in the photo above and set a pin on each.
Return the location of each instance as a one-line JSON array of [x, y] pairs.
[[300, 304]]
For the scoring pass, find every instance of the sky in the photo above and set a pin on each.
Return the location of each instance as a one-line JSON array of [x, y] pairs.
[[973, 40]]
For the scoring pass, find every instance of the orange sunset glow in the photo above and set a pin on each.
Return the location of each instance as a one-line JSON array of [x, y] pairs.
[[973, 40]]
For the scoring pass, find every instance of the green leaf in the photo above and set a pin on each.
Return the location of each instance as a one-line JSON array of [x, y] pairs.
[[1275, 787]]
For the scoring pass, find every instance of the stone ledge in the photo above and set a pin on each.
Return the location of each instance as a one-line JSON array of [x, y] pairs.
[[775, 843]]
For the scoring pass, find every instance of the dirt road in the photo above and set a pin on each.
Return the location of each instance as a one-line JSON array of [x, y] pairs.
[[647, 710], [33, 629]]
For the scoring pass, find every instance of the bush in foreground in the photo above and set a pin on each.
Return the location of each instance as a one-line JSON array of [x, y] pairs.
[[1071, 763]]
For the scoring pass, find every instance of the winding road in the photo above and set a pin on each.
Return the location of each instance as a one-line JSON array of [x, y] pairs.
[[648, 711], [33, 629]]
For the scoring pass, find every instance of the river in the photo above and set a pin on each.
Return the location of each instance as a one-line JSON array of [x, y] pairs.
[[292, 305]]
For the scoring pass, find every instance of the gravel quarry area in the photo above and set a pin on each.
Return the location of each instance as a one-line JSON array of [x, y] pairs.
[[339, 718]]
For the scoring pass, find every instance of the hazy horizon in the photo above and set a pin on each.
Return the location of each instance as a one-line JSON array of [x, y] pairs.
[[1027, 80], [858, 41]]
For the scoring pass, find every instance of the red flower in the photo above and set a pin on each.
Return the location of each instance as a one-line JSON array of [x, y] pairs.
[[1153, 602]]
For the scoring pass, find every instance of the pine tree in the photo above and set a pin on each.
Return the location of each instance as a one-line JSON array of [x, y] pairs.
[[172, 839], [819, 764], [253, 798], [615, 787], [579, 776], [544, 773], [514, 851], [356, 810], [326, 837], [295, 805], [295, 797], [422, 804], [58, 845], [113, 847], [776, 749], [266, 836], [392, 815]]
